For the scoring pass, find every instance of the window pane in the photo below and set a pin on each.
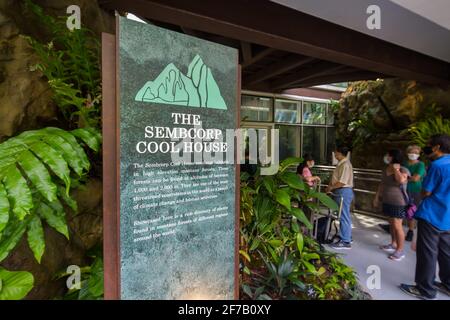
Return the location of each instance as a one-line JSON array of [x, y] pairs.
[[259, 142], [256, 108], [287, 111], [330, 115], [288, 141], [314, 113], [331, 144], [314, 143]]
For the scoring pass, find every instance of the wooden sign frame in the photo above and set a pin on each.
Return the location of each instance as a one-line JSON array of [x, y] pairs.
[[111, 170]]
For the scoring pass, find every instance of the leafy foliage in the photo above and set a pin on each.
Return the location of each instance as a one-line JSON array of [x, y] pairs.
[[71, 63], [15, 285], [91, 287], [422, 131], [37, 170], [279, 261]]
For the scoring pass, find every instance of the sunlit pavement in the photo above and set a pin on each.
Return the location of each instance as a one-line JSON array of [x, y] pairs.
[[365, 252]]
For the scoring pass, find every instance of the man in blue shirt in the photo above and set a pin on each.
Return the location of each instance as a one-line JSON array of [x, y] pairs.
[[433, 216]]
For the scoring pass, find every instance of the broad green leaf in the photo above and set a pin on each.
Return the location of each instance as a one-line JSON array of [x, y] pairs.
[[38, 175], [276, 243], [72, 141], [326, 200], [311, 256], [309, 266], [288, 162], [97, 134], [300, 215], [11, 236], [321, 271], [54, 160], [4, 208], [292, 180], [269, 184], [295, 226], [274, 255], [255, 244], [95, 281], [67, 199], [55, 219], [282, 197], [77, 163], [15, 284], [36, 239], [88, 138], [18, 192], [300, 242]]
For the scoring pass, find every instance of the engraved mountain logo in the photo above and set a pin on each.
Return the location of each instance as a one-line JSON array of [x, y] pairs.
[[195, 89]]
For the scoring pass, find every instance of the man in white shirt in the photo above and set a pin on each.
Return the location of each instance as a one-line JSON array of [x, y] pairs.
[[341, 186]]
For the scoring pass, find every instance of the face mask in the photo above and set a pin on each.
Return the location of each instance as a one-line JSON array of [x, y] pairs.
[[386, 159], [413, 156]]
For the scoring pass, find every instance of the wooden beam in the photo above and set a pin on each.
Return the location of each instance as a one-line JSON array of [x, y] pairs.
[[273, 25], [277, 68], [257, 57], [246, 49], [317, 70], [334, 78]]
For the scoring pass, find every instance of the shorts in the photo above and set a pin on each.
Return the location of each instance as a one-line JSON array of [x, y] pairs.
[[394, 211]]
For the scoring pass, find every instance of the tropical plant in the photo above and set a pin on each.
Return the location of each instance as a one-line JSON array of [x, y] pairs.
[[71, 63], [423, 130], [91, 286], [279, 260], [37, 170], [15, 285]]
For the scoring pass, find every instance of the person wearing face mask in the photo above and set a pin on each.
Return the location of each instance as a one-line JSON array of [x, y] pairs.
[[414, 188], [304, 170], [433, 224], [394, 204]]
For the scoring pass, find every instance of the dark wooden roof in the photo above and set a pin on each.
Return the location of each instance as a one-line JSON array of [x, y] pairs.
[[281, 48]]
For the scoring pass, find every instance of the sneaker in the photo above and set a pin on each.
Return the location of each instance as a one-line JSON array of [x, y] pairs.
[[397, 256], [414, 291], [409, 235], [388, 248], [341, 245], [442, 288]]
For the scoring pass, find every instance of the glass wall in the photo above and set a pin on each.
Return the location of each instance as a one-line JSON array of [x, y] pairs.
[[255, 108], [305, 126]]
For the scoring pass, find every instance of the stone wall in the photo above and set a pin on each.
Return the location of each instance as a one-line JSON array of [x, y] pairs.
[[406, 102], [26, 103]]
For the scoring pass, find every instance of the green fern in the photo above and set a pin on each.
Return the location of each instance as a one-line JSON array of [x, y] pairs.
[[71, 63], [37, 169], [422, 131]]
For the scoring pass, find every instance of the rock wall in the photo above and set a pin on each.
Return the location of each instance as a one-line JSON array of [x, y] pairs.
[[26, 103], [382, 127]]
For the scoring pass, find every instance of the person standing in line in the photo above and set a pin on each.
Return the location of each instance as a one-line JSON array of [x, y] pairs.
[[433, 224], [392, 192], [417, 170], [341, 187]]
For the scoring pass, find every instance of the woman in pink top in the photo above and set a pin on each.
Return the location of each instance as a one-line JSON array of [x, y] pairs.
[[304, 170]]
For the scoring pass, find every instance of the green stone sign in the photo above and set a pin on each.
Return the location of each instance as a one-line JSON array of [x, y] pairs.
[[177, 97]]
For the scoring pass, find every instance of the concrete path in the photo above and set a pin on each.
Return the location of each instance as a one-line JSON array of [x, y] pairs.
[[368, 236]]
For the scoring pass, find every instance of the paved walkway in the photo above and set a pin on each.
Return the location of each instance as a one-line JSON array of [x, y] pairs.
[[367, 238]]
